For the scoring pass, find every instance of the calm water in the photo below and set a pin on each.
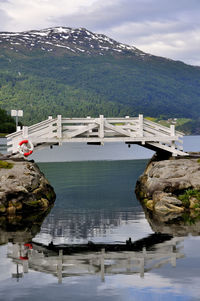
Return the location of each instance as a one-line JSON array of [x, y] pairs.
[[96, 202]]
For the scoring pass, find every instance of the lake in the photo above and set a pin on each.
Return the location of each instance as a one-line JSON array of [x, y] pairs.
[[96, 203]]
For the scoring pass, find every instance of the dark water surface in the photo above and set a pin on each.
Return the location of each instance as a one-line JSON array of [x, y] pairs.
[[96, 202]]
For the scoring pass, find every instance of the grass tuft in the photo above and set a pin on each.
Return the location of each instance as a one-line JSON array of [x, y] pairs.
[[185, 197], [6, 165]]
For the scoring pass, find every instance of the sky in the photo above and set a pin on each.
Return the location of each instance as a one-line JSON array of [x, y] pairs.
[[168, 28]]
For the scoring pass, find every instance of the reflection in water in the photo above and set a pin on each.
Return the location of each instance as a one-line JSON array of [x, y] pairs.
[[56, 262], [79, 226], [177, 224], [96, 202], [21, 228]]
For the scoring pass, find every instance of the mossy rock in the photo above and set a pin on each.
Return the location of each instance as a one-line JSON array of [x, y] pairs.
[[190, 197], [11, 210], [141, 194], [50, 195], [38, 191], [37, 204], [2, 209], [18, 205], [145, 201], [150, 204], [33, 204], [6, 165], [44, 203]]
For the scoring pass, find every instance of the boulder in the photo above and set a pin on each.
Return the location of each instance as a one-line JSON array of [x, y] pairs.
[[23, 187], [164, 181]]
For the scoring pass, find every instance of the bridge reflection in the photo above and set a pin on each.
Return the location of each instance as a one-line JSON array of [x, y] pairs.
[[131, 257], [66, 261]]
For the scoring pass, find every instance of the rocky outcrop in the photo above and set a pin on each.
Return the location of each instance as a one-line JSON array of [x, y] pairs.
[[171, 185], [23, 187]]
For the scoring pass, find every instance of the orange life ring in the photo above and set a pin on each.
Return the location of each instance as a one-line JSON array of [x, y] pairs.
[[27, 150], [23, 258]]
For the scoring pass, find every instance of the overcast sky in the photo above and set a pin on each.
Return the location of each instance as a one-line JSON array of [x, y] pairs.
[[169, 28]]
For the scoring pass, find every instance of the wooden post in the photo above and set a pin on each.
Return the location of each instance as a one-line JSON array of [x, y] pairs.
[[172, 133], [25, 266], [173, 255], [142, 267], [172, 129], [101, 126], [25, 131], [50, 127], [141, 125], [59, 266], [102, 265], [59, 126], [128, 123], [90, 131], [128, 268]]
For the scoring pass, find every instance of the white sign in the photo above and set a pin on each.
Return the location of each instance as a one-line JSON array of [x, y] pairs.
[[13, 113], [18, 113]]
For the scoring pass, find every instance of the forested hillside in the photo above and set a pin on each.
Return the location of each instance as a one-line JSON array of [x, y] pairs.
[[7, 123]]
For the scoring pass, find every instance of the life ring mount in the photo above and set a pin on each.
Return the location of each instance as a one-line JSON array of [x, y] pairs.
[[25, 147]]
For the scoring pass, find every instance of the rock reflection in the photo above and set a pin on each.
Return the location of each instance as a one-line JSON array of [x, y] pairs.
[[139, 257], [176, 224], [21, 228]]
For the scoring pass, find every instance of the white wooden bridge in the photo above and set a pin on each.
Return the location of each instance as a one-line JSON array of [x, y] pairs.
[[97, 131]]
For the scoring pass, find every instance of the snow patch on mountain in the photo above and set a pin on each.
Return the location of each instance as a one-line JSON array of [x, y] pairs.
[[76, 41]]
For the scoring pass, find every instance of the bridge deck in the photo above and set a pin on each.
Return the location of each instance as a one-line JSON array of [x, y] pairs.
[[99, 131]]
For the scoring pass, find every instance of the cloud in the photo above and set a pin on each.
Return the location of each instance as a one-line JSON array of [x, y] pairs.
[[166, 28], [36, 14], [168, 39], [116, 12], [4, 18], [169, 29]]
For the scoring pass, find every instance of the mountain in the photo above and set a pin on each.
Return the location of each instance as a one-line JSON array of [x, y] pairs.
[[66, 40], [75, 72]]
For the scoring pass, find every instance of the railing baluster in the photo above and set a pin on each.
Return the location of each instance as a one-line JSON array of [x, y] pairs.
[[59, 126], [141, 125]]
